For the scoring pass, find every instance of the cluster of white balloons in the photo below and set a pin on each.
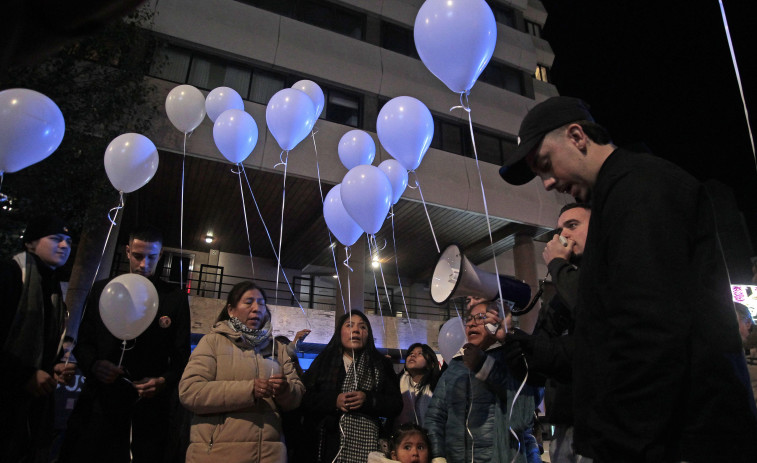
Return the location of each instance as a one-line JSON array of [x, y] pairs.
[[290, 116], [455, 40], [362, 201]]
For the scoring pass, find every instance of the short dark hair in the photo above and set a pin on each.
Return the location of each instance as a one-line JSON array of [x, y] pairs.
[[146, 233], [235, 295], [595, 132], [570, 206]]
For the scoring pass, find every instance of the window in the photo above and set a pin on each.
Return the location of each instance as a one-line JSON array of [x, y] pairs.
[[175, 66], [533, 29], [264, 86], [398, 39], [317, 13], [502, 14], [342, 108], [542, 73], [207, 73], [503, 76]]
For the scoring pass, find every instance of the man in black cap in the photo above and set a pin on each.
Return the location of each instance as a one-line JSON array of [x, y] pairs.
[[124, 410], [32, 326], [659, 373]]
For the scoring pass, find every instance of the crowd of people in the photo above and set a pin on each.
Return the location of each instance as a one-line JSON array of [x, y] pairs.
[[638, 356]]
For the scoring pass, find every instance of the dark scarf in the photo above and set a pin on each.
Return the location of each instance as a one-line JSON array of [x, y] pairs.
[[361, 431], [31, 326]]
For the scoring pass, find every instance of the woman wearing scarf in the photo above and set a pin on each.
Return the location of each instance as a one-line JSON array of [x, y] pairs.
[[350, 385], [236, 382]]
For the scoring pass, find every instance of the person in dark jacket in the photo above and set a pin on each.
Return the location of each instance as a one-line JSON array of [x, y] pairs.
[[348, 388], [659, 372], [32, 327], [126, 409], [549, 351]]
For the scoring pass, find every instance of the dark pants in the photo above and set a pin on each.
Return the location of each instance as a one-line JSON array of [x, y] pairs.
[[110, 422]]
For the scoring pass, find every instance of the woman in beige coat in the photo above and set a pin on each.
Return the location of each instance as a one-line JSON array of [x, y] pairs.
[[236, 387]]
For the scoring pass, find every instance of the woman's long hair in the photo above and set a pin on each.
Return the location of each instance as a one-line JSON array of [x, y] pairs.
[[326, 366], [235, 295], [432, 372]]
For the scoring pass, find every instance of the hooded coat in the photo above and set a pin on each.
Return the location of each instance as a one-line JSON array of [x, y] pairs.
[[230, 424]]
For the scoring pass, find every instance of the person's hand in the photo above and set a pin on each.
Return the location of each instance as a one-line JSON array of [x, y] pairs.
[[515, 357], [262, 389], [149, 387], [352, 400], [492, 316], [473, 357], [555, 249], [300, 336], [40, 384], [278, 384], [64, 373], [106, 372]]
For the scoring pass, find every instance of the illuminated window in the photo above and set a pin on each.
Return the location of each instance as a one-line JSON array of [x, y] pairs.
[[542, 73]]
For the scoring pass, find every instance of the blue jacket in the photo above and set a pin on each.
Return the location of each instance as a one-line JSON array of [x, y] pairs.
[[480, 403]]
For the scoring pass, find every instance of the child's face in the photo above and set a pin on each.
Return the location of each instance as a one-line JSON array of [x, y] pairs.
[[412, 449]]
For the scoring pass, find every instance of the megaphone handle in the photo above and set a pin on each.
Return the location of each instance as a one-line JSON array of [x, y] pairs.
[[531, 304]]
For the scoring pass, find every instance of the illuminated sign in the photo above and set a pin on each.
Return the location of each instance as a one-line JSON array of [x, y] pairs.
[[747, 295]]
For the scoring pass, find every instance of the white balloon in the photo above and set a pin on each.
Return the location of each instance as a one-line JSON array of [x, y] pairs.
[[221, 99], [31, 128], [397, 176], [185, 107], [405, 129], [367, 196], [128, 305], [290, 116], [451, 338], [455, 40], [356, 148], [314, 92], [236, 134], [131, 161], [344, 227]]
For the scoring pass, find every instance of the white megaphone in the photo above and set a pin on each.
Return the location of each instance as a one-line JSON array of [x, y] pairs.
[[455, 276]]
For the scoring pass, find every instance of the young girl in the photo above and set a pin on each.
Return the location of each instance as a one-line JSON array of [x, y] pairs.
[[417, 383], [409, 444]]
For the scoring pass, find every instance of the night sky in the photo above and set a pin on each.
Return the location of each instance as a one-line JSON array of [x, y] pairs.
[[660, 73]]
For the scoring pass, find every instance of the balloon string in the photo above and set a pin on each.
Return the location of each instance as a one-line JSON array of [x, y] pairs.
[[738, 78], [332, 246], [372, 238], [347, 261], [510, 418], [284, 158], [320, 190], [317, 166], [181, 223], [486, 210], [123, 351], [3, 198], [418, 185], [273, 248], [399, 280], [102, 255], [246, 224]]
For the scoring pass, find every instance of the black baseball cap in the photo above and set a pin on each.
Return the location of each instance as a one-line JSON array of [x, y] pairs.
[[543, 118]]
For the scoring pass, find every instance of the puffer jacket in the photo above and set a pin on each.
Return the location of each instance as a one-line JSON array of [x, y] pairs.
[[229, 424], [469, 416]]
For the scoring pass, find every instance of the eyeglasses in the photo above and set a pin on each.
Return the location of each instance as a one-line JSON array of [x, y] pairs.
[[477, 319]]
